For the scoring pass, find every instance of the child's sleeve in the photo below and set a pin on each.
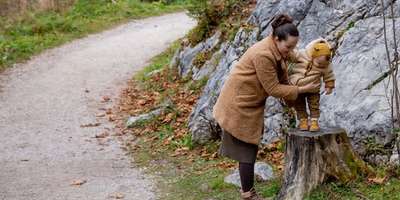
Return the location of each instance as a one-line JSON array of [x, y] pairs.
[[329, 77]]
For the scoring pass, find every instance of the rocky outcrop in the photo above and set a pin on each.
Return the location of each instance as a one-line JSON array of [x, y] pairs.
[[355, 29], [262, 172]]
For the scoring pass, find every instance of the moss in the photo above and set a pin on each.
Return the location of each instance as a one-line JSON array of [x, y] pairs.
[[224, 15], [357, 167], [199, 33], [201, 58], [350, 25], [194, 85], [374, 148]]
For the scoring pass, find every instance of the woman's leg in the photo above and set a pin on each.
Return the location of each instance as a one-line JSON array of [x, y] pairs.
[[246, 171]]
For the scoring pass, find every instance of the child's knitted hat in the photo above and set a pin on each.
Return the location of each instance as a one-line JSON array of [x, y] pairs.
[[319, 47]]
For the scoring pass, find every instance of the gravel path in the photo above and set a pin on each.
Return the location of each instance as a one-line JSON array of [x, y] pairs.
[[44, 102]]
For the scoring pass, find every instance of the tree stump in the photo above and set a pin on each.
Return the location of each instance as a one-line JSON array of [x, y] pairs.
[[313, 157]]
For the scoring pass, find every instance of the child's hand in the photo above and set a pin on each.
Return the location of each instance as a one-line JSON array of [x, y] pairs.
[[328, 91]]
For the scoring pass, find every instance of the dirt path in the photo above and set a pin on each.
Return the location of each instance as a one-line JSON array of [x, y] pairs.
[[43, 104]]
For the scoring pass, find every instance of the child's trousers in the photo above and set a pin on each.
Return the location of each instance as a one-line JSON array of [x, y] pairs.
[[312, 99]]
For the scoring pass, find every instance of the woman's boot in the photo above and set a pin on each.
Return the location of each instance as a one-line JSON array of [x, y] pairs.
[[251, 195]]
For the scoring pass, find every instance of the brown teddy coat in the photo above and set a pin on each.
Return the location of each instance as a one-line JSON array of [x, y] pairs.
[[261, 72]]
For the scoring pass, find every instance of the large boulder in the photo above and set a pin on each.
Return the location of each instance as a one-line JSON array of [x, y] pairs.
[[355, 29]]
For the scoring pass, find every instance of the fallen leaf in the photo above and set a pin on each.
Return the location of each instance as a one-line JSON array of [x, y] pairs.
[[117, 196], [142, 102], [168, 118], [377, 180], [102, 135], [106, 98], [101, 115], [109, 111], [90, 125], [214, 155], [111, 118], [78, 182]]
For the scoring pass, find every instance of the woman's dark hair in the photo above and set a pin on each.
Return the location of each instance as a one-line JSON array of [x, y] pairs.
[[282, 27]]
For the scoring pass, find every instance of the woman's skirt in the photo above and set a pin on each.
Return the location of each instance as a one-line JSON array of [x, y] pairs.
[[236, 149]]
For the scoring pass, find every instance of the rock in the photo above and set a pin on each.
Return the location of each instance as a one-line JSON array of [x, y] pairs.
[[233, 178], [394, 160], [204, 188], [175, 59], [153, 72], [274, 120], [135, 120], [378, 160], [357, 105], [381, 159], [201, 123], [208, 67], [262, 172], [354, 27], [184, 59]]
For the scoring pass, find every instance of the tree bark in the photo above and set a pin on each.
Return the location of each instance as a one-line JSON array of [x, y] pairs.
[[313, 157]]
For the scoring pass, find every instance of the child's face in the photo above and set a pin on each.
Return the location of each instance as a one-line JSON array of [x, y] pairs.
[[322, 60]]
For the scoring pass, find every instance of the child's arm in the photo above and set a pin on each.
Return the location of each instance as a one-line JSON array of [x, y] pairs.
[[329, 79]]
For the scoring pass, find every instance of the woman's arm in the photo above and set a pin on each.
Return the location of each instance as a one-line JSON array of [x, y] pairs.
[[267, 75]]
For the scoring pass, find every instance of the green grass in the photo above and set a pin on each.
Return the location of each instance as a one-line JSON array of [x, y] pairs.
[[359, 190], [198, 180], [158, 62], [29, 34]]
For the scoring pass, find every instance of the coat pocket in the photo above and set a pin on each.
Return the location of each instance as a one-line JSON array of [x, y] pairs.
[[247, 100]]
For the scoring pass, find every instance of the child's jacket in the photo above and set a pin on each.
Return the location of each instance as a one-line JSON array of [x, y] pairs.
[[304, 72]]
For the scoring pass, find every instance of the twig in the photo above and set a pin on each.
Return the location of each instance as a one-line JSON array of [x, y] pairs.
[[395, 66]]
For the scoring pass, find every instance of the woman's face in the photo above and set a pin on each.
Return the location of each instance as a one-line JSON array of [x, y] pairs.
[[285, 46]]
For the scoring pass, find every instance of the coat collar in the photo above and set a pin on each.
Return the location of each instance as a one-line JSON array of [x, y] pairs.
[[270, 44]]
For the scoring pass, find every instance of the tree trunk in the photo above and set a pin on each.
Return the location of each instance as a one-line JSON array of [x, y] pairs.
[[313, 157]]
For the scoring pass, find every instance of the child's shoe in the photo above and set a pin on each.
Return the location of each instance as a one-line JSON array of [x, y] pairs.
[[314, 125], [303, 126]]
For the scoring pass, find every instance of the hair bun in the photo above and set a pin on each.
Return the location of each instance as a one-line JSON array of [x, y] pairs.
[[280, 20]]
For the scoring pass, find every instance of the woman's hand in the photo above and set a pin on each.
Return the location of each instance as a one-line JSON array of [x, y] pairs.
[[311, 87]]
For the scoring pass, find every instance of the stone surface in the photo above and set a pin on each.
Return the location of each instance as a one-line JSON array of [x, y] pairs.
[[135, 120], [394, 160], [354, 27], [262, 172], [183, 60]]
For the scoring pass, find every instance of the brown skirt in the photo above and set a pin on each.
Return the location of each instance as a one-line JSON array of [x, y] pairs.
[[236, 149]]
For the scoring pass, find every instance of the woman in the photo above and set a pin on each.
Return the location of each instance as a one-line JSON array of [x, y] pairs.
[[261, 72]]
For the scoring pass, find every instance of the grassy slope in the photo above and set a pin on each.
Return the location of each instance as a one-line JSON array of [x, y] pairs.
[[24, 36], [187, 171]]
